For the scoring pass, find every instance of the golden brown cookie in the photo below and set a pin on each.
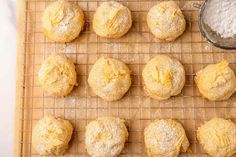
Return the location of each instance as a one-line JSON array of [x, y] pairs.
[[109, 78], [216, 81], [163, 77], [165, 138], [62, 21], [51, 136], [57, 75], [217, 137], [112, 20], [105, 137], [166, 21]]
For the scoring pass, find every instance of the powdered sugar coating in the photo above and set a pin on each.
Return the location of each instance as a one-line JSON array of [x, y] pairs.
[[57, 75], [220, 16], [51, 135], [62, 21], [217, 137], [216, 82], [166, 21], [163, 77], [105, 137], [165, 138], [109, 78], [112, 20]]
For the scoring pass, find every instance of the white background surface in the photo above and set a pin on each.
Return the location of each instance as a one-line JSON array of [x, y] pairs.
[[7, 75]]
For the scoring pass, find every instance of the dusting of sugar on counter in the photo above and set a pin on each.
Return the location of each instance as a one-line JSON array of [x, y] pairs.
[[220, 16]]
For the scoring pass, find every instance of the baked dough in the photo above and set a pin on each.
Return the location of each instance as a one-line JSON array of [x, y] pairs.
[[109, 78], [166, 21], [51, 136], [163, 77], [217, 137], [112, 20], [57, 75], [62, 21], [105, 137], [165, 138], [216, 81]]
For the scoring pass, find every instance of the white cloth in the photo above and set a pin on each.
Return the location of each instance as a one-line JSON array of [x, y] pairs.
[[7, 75]]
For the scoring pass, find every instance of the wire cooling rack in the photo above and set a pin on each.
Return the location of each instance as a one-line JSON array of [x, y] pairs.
[[135, 49]]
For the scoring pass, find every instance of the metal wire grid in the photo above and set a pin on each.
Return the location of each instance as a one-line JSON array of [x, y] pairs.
[[136, 48]]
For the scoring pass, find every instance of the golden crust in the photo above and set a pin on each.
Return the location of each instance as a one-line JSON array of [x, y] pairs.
[[109, 78], [62, 21], [112, 20], [216, 82], [163, 77], [166, 21], [165, 138], [57, 75], [51, 136], [217, 137]]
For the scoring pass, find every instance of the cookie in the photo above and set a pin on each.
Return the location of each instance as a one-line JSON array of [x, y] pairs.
[[163, 77], [166, 21], [109, 78], [105, 136], [165, 138], [51, 136], [57, 75], [62, 21], [112, 20], [216, 82], [217, 137]]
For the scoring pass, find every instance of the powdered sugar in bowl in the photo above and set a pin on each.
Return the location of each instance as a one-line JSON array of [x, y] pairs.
[[218, 22]]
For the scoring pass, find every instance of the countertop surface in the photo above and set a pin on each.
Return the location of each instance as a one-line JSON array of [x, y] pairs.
[[7, 75]]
